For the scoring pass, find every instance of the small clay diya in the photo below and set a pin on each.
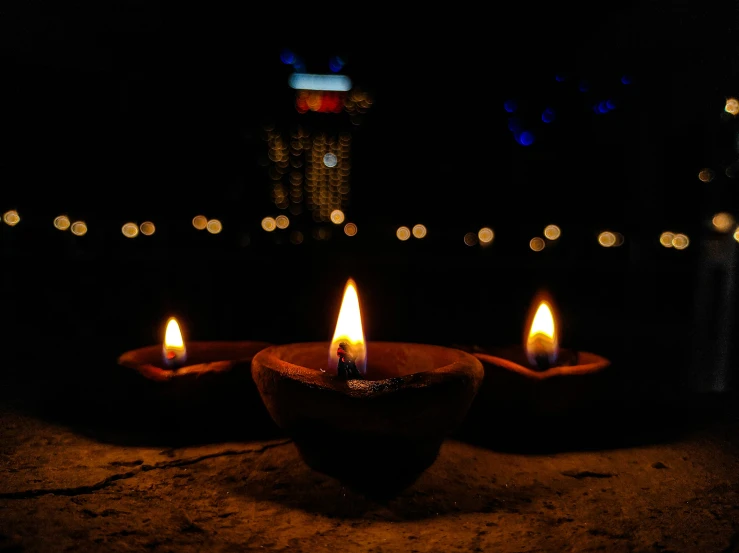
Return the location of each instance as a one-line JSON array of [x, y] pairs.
[[537, 381], [383, 428], [207, 381], [512, 383]]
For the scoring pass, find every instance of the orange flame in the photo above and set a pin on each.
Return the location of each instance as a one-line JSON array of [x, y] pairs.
[[349, 330], [542, 338], [174, 346]]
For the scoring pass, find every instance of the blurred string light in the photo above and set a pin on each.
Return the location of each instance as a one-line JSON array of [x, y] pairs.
[[610, 239], [470, 239], [200, 222], [723, 222], [296, 237], [214, 226], [11, 218], [547, 115], [282, 222], [732, 106], [552, 232], [537, 244], [403, 233], [62, 222], [583, 85], [147, 228], [626, 79], [79, 228], [350, 229], [706, 175], [510, 106], [736, 234], [485, 235], [269, 224], [670, 239], [337, 216], [419, 231], [130, 230]]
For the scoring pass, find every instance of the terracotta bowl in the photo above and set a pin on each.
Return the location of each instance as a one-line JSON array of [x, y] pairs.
[[510, 382], [387, 427], [212, 392], [517, 403]]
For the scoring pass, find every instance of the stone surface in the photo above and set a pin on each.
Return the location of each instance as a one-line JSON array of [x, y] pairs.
[[61, 489]]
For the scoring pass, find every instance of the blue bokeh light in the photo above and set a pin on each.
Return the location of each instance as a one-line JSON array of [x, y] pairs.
[[602, 107], [335, 64], [526, 138], [583, 86], [611, 104], [626, 79], [547, 115], [510, 106], [559, 77], [287, 57]]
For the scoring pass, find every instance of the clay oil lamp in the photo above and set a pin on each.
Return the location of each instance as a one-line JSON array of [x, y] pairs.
[[539, 378], [182, 379], [371, 413]]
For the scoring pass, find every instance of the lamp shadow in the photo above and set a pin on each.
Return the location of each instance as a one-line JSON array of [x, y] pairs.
[[610, 424], [115, 405], [284, 477]]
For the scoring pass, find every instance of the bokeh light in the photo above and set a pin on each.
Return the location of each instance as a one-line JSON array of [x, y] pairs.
[[736, 234], [11, 218], [485, 235], [269, 224], [403, 233], [607, 239], [552, 232], [680, 242], [214, 226], [732, 106], [62, 222], [706, 175], [350, 229], [147, 228], [510, 106], [470, 239], [199, 222], [130, 230], [537, 244], [282, 222], [666, 238], [337, 216], [419, 231], [723, 222], [79, 228], [296, 237]]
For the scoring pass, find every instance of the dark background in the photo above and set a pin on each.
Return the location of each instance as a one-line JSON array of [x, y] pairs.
[[118, 111]]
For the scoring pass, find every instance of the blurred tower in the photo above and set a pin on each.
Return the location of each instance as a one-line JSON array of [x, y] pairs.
[[309, 163]]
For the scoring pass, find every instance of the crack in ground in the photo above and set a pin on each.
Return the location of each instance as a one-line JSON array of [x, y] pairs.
[[84, 490]]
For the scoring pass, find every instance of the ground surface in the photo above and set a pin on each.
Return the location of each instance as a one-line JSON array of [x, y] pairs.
[[63, 490]]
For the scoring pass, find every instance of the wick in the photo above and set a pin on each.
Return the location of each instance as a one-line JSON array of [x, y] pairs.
[[171, 355], [347, 368]]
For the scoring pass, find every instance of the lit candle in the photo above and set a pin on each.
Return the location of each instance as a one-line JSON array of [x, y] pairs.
[[347, 355], [174, 351], [542, 340]]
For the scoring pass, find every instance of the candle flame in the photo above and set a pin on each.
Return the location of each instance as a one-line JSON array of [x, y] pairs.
[[349, 330], [543, 338], [174, 345]]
